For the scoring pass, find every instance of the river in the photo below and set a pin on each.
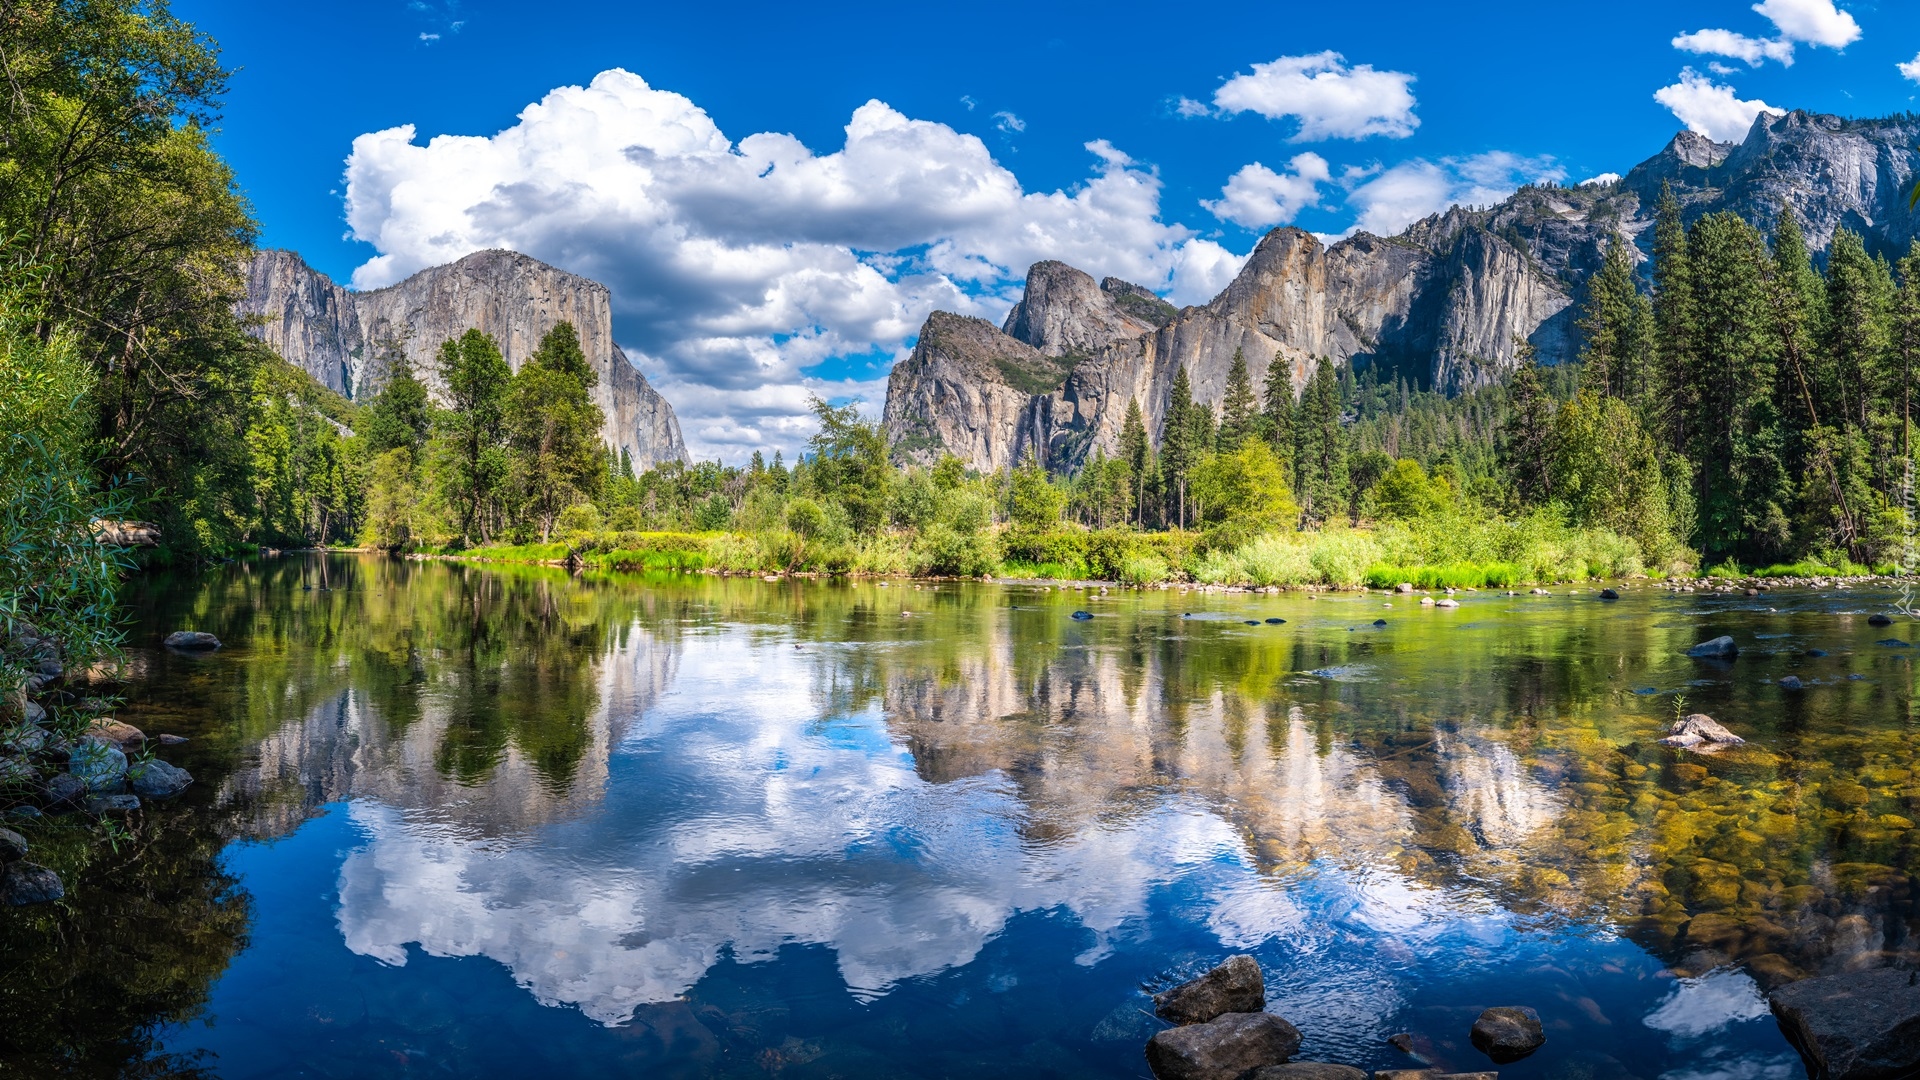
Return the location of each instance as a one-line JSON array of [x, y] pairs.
[[456, 820]]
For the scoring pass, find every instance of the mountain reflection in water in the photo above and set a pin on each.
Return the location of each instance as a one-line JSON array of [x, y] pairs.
[[733, 827]]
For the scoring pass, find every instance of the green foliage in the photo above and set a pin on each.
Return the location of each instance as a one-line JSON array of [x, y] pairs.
[[1239, 409], [1033, 502], [1320, 449], [1405, 492], [475, 465], [57, 579], [1245, 486], [554, 431], [848, 465]]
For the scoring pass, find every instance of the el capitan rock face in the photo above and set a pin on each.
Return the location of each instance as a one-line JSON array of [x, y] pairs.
[[1444, 303], [340, 336]]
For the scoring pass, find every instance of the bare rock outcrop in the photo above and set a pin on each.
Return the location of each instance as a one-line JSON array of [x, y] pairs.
[[343, 338]]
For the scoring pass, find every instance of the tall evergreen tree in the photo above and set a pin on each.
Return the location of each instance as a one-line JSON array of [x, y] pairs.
[[1617, 324], [477, 379], [400, 416], [1673, 320], [1178, 444], [1734, 429], [1239, 410], [1796, 303], [1135, 448], [1278, 411], [1526, 447], [1320, 458]]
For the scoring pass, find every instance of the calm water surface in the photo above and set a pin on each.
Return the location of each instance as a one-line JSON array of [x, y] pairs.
[[461, 821]]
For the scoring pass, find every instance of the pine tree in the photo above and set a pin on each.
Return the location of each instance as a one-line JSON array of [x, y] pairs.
[[1134, 450], [1735, 432], [1796, 302], [1279, 410], [1239, 410], [553, 428], [1320, 459], [400, 416], [1673, 326], [1178, 445], [1617, 323], [1526, 448]]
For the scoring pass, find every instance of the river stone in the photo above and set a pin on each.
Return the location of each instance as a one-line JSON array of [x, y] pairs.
[[156, 779], [26, 740], [13, 846], [63, 789], [1234, 987], [114, 731], [99, 765], [1860, 1026], [1721, 647], [1508, 1033], [172, 740], [1432, 1074], [1082, 616], [36, 713], [1306, 1070], [1405, 587], [1222, 1049], [192, 639], [1609, 594], [1879, 620], [17, 772], [1792, 682], [113, 804], [1700, 731], [29, 883]]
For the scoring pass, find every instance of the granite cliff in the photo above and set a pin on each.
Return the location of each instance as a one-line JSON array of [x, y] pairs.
[[1443, 303], [344, 337]]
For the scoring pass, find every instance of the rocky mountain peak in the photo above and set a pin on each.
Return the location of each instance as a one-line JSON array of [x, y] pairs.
[[1064, 312], [339, 335]]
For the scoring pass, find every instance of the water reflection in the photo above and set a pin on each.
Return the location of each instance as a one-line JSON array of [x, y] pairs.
[[644, 796]]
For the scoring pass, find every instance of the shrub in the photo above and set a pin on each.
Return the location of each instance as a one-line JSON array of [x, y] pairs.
[[1143, 569], [1341, 557]]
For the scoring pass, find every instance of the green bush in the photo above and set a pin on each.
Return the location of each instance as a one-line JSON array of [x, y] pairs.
[[1143, 569]]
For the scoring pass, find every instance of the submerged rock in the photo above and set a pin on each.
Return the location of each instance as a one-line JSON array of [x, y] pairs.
[[1276, 622], [1792, 682], [1222, 1049], [1234, 987], [1879, 620], [1508, 1033], [1306, 1070], [191, 639], [114, 731], [1700, 732], [1721, 647], [1083, 615], [25, 883], [113, 804], [1853, 1027], [158, 780], [1609, 594]]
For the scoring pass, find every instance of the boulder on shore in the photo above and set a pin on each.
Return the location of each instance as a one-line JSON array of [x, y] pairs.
[[99, 765], [191, 639], [1700, 732], [1222, 1049], [1234, 987], [158, 780], [63, 789], [13, 846], [121, 734], [1860, 1026], [1508, 1033], [29, 883], [1720, 648]]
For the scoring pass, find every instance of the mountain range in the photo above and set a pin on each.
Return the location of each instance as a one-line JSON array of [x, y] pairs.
[[1443, 304]]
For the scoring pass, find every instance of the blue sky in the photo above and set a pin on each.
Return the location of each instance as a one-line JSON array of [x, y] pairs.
[[778, 194]]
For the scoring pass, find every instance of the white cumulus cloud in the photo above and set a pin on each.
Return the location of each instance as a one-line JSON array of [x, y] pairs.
[[1711, 108], [1816, 22], [1257, 197], [746, 274], [1329, 98], [1390, 200], [1809, 22], [1755, 51], [1602, 180], [1911, 69]]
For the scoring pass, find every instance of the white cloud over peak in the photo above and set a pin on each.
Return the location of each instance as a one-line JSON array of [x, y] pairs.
[[1392, 199], [740, 269], [1816, 22], [1329, 98], [1602, 180], [1809, 22], [1755, 51], [1257, 197], [1711, 108]]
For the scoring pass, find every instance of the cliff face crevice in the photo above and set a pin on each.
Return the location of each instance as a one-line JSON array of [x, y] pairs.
[[1448, 303], [340, 336]]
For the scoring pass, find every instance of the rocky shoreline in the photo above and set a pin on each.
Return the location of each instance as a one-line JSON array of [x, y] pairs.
[[1858, 1026], [62, 754]]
